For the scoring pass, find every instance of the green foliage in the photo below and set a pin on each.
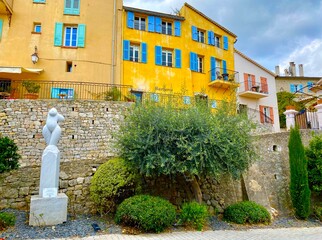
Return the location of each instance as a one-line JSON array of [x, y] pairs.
[[246, 212], [161, 139], [113, 182], [151, 214], [318, 212], [9, 157], [194, 214], [31, 87], [6, 220], [299, 185], [114, 94], [284, 99], [314, 156]]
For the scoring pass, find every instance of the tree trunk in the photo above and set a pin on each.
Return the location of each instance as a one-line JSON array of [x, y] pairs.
[[196, 189]]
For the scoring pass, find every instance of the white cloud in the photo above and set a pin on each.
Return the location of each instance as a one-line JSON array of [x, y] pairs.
[[309, 55]]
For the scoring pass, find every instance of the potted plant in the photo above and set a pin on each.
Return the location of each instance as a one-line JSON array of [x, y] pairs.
[[32, 89]]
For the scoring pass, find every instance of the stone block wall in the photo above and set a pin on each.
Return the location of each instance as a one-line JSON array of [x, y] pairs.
[[87, 141]]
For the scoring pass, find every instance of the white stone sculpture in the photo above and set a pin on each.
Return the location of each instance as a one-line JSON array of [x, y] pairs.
[[49, 207]]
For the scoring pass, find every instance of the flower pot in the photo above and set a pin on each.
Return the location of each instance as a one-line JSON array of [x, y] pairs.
[[31, 95], [290, 107]]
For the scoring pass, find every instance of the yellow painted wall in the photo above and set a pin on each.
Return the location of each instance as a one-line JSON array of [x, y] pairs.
[[93, 63], [150, 77]]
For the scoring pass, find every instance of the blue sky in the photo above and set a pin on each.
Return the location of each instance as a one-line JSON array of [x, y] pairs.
[[271, 32]]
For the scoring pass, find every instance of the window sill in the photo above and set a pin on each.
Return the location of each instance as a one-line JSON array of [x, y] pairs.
[[69, 47], [36, 33], [70, 14], [39, 2]]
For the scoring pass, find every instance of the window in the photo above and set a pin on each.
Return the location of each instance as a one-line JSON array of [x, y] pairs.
[[266, 114], [296, 88], [72, 7], [213, 104], [201, 36], [69, 66], [200, 64], [139, 23], [186, 100], [217, 41], [165, 57], [155, 97], [167, 28], [70, 35], [37, 28], [64, 93], [134, 52], [309, 86]]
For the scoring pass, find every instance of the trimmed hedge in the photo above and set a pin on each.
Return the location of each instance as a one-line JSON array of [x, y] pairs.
[[9, 157], [194, 214], [246, 212], [6, 220], [113, 182], [148, 213]]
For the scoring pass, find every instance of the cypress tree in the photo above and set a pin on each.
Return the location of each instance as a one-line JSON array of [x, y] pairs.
[[299, 185]]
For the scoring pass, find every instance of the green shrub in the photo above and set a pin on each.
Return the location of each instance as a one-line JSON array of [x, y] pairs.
[[246, 212], [299, 183], [113, 182], [194, 214], [318, 212], [148, 213], [6, 220], [9, 158]]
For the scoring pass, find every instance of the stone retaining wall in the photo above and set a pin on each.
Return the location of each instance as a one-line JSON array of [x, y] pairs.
[[87, 142]]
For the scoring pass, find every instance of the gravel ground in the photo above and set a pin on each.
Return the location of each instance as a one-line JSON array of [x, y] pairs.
[[81, 226]]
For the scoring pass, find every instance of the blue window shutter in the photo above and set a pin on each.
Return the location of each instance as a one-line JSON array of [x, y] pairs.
[[151, 24], [130, 19], [177, 28], [195, 61], [292, 88], [55, 92], [158, 24], [191, 62], [158, 55], [194, 33], [225, 43], [178, 58], [211, 38], [1, 25], [224, 66], [126, 50], [213, 68], [144, 52], [300, 88], [81, 35], [309, 86], [58, 34]]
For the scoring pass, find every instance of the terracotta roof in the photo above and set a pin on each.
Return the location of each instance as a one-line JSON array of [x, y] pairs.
[[252, 61], [159, 14], [209, 19]]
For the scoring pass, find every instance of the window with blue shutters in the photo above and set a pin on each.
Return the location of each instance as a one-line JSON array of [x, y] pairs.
[[151, 23], [158, 24], [158, 55], [72, 7], [132, 51], [65, 93], [177, 28], [211, 38], [224, 66], [194, 33], [225, 39], [130, 19], [1, 25], [178, 58], [126, 50], [70, 35], [144, 52], [39, 1], [193, 61], [213, 68]]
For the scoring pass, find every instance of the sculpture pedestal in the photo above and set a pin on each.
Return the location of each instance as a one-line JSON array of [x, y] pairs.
[[48, 211]]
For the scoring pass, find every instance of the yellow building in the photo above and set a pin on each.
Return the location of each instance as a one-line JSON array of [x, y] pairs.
[[187, 54], [75, 41]]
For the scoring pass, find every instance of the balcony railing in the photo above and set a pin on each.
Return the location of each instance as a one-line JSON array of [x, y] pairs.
[[223, 77], [64, 90], [253, 89]]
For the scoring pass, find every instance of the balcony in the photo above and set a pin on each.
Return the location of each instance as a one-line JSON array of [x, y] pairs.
[[6, 7], [223, 78], [253, 90]]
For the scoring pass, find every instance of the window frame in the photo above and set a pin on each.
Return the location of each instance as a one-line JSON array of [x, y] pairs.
[[72, 10], [72, 27], [200, 35], [134, 48], [35, 28], [200, 64], [166, 27], [138, 23], [217, 41], [167, 53]]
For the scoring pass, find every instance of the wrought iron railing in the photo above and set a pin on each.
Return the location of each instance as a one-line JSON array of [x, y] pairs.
[[254, 87], [224, 74]]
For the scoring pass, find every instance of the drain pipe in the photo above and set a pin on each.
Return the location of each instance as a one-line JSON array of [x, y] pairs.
[[113, 43]]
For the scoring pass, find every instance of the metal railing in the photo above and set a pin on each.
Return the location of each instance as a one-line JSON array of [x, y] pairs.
[[253, 87], [64, 90], [224, 74]]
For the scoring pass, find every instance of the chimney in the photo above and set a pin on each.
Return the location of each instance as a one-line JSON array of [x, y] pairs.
[[277, 70], [301, 70], [292, 69]]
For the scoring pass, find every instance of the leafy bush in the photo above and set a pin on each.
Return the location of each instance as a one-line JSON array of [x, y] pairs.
[[246, 212], [194, 214], [113, 182], [318, 212], [314, 156], [8, 155], [6, 220], [299, 183], [148, 213]]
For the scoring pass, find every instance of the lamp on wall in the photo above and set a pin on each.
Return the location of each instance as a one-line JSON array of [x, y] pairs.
[[34, 56]]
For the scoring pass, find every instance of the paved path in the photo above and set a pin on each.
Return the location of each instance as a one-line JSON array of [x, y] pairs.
[[313, 233]]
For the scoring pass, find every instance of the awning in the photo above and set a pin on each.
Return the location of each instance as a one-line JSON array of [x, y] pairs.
[[19, 70]]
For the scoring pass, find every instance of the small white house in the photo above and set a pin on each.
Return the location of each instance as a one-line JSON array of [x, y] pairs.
[[257, 92]]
